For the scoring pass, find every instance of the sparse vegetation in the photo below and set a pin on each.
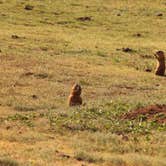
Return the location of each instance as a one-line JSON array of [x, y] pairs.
[[107, 47], [83, 156], [8, 162]]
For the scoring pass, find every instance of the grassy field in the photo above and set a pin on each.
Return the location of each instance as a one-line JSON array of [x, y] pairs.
[[45, 50]]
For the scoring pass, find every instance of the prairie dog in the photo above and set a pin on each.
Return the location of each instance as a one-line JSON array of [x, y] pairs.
[[74, 98], [160, 69]]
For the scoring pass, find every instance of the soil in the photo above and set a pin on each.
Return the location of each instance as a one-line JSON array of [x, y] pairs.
[[152, 112]]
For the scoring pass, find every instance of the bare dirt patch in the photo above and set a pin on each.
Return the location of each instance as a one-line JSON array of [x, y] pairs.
[[151, 112]]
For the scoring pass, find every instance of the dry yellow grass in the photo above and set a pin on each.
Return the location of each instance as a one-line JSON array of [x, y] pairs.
[[44, 51]]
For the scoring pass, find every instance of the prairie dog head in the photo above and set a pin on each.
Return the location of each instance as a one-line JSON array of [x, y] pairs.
[[76, 89], [160, 56]]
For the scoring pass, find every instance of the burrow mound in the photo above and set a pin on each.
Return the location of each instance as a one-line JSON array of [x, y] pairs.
[[155, 113]]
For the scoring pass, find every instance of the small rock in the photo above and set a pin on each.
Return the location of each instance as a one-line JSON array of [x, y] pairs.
[[8, 127], [118, 14], [159, 14], [34, 97], [28, 7], [84, 19], [137, 35], [127, 49], [19, 132], [148, 70], [15, 37], [28, 74]]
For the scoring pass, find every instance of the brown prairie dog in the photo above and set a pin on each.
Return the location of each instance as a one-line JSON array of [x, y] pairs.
[[74, 98], [160, 69]]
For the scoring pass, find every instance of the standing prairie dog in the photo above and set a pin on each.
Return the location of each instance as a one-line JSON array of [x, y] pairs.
[[160, 69], [74, 98]]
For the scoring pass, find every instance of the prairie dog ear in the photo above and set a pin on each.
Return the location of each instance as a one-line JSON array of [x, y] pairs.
[[74, 86]]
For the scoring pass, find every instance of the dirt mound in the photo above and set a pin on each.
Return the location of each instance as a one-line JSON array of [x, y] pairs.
[[153, 112]]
